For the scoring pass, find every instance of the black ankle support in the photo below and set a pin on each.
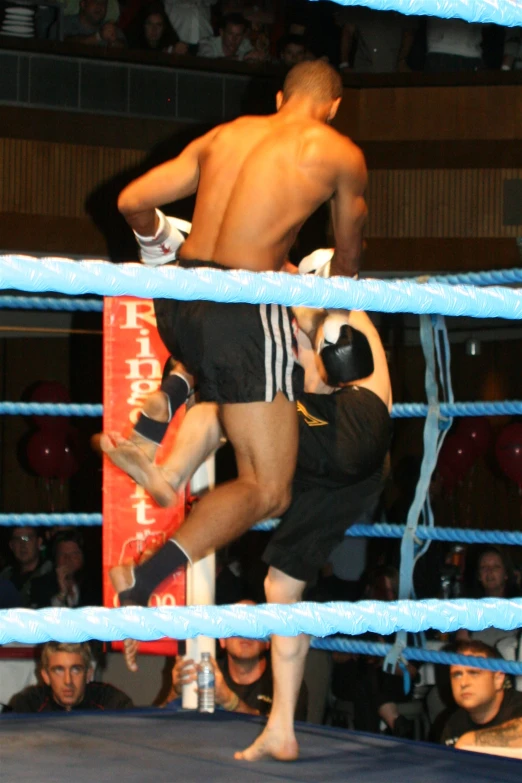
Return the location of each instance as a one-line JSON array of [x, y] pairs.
[[151, 429], [152, 572], [177, 389]]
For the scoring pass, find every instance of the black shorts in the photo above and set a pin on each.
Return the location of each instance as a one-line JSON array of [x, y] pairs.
[[238, 352], [342, 466]]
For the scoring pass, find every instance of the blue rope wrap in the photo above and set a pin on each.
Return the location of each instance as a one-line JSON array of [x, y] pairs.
[[49, 520], [256, 622], [495, 277], [378, 530], [401, 410], [335, 644], [50, 303], [102, 278], [50, 409], [502, 13]]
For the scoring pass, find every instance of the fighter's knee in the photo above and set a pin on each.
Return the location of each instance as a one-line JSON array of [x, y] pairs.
[[277, 498], [281, 588]]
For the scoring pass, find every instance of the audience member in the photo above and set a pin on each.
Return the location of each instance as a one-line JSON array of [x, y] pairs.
[[362, 680], [89, 27], [25, 544], [69, 584], [494, 579], [375, 41], [512, 55], [453, 45], [152, 31], [191, 20], [482, 699], [67, 671], [231, 42], [292, 50], [243, 677], [9, 595]]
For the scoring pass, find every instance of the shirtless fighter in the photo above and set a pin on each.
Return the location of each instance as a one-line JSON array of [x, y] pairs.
[[344, 433], [257, 180], [285, 166]]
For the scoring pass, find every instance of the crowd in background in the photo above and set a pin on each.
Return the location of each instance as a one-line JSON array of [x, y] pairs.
[[355, 39], [57, 568]]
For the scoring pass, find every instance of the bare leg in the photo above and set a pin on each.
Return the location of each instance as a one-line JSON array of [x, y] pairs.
[[199, 436], [278, 739], [264, 436]]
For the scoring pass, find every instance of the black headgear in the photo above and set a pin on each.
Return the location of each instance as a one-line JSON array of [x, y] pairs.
[[349, 359]]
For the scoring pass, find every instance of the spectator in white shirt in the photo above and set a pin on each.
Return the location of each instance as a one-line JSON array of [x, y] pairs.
[[231, 43]]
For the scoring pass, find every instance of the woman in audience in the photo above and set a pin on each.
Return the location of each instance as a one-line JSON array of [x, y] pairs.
[[151, 31]]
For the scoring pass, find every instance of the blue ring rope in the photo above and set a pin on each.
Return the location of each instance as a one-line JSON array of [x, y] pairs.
[[505, 12], [102, 278], [337, 644], [495, 277], [49, 520], [399, 411], [50, 303], [256, 622], [377, 530]]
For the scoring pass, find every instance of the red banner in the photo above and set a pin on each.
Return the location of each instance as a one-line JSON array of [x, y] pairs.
[[133, 525]]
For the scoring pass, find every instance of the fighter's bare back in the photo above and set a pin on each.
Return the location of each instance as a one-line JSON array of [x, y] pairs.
[[260, 179], [257, 180]]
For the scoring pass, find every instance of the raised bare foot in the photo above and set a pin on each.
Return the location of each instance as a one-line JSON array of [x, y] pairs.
[[271, 743], [131, 458]]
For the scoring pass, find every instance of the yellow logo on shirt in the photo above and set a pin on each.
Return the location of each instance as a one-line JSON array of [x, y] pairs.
[[311, 421]]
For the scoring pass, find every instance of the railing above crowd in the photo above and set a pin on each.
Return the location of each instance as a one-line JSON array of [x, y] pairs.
[[260, 36]]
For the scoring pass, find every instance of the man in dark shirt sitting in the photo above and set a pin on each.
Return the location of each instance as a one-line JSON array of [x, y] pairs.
[[484, 702], [67, 671], [243, 677]]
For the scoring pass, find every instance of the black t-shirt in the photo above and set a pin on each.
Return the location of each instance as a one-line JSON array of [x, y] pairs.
[[343, 437], [258, 695], [460, 722], [98, 696]]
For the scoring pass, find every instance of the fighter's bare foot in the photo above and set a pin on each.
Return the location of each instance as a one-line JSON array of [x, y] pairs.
[[271, 743], [130, 458]]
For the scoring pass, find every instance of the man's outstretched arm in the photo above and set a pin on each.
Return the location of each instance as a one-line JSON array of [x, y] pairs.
[[176, 179], [507, 736]]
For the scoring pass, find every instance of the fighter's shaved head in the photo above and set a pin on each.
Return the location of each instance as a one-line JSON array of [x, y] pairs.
[[315, 79]]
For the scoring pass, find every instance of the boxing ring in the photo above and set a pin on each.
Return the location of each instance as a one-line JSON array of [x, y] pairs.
[[165, 745]]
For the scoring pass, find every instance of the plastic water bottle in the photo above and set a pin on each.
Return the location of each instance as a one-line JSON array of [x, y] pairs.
[[206, 684]]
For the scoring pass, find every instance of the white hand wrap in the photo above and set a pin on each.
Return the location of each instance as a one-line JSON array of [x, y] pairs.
[[163, 246], [317, 263]]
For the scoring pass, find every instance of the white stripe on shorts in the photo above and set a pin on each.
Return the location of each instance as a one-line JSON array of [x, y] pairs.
[[278, 340], [269, 382], [289, 354]]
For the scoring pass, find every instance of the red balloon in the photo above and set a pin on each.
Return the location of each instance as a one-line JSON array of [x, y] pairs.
[[44, 452], [51, 391], [508, 450], [456, 457], [479, 430], [69, 461]]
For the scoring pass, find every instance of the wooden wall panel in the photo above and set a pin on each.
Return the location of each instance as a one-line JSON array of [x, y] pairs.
[[444, 203], [437, 113], [44, 178]]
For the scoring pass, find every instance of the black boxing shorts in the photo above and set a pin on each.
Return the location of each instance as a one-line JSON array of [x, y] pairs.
[[238, 352], [342, 465]]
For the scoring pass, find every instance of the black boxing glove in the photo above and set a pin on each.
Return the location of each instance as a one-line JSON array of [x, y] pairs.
[[345, 352]]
